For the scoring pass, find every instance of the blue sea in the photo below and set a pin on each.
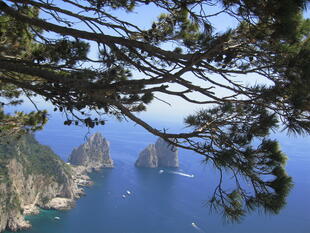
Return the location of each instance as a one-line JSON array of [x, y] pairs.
[[169, 202]]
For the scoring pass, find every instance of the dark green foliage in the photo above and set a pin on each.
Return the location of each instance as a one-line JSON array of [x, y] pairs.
[[13, 126], [45, 200], [3, 172], [181, 54], [36, 158], [233, 150], [13, 203], [61, 51]]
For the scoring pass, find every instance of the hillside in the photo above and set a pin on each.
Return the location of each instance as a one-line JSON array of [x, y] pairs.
[[32, 176]]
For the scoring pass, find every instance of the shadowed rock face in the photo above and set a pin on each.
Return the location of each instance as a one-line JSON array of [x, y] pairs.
[[148, 157], [94, 154], [159, 155], [167, 154]]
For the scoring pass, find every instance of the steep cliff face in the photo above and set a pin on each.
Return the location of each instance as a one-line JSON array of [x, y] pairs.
[[10, 210], [168, 155], [94, 154], [148, 157], [32, 176], [159, 155]]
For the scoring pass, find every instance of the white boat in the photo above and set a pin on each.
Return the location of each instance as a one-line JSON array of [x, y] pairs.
[[123, 196], [128, 192], [57, 218], [161, 171], [197, 228]]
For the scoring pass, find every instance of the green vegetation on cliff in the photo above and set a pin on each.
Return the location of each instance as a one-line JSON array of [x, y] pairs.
[[36, 159], [31, 175], [4, 153]]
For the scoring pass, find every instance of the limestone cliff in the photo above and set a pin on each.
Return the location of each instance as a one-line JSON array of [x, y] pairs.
[[94, 154], [159, 155], [148, 157], [168, 155], [32, 176]]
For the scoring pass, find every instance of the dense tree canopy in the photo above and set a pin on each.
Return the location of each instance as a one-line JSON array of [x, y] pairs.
[[46, 50]]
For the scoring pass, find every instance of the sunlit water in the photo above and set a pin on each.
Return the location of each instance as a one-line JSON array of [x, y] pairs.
[[163, 200]]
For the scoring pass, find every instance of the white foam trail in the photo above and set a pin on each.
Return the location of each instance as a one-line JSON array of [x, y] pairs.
[[182, 174], [197, 228]]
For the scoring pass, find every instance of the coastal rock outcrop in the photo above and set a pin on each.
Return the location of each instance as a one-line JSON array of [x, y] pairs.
[[80, 177], [33, 177], [93, 155], [159, 155], [148, 157], [168, 155], [60, 203]]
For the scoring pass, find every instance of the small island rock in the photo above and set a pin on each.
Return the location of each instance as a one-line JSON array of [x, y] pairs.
[[94, 154], [159, 155], [148, 157], [167, 154]]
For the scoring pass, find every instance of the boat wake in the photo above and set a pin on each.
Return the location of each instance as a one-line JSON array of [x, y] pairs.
[[182, 174], [176, 173], [197, 228]]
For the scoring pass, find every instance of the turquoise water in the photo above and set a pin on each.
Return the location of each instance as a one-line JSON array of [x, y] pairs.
[[167, 202]]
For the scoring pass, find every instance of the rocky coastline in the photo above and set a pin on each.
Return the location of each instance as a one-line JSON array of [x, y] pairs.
[[32, 177], [27, 184]]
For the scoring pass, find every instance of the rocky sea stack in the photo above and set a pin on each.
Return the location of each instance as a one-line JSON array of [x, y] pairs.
[[159, 155], [93, 155], [148, 157]]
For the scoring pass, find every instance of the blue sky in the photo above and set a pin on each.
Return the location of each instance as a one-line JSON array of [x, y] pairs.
[[144, 16]]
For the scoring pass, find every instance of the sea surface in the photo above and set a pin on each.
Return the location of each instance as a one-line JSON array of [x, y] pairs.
[[172, 201]]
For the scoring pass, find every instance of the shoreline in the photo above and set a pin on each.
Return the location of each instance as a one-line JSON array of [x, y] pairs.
[[80, 180]]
